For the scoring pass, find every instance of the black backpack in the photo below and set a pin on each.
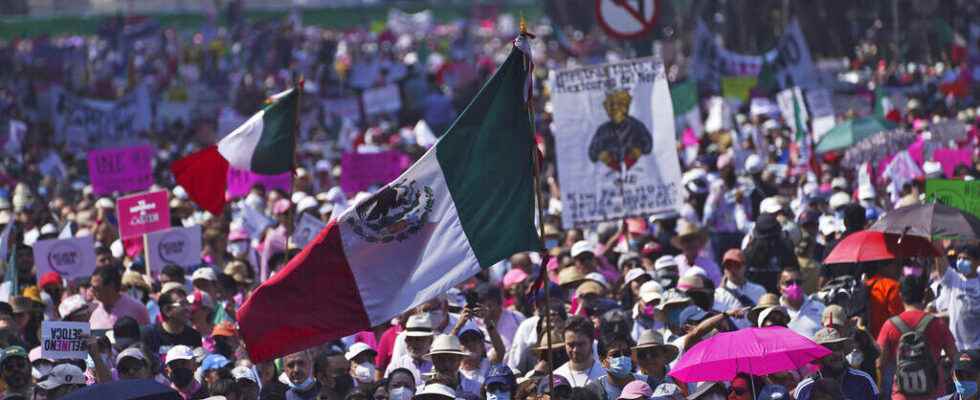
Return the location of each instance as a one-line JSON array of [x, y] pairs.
[[848, 292], [916, 370]]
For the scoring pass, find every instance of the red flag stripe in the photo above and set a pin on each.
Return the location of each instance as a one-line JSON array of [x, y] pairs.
[[204, 175]]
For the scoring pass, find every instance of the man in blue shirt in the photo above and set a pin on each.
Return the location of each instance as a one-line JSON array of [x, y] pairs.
[[854, 384]]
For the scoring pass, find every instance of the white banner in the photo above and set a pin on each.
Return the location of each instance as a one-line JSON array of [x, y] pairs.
[[790, 59], [384, 99], [61, 340], [177, 246], [94, 123], [307, 228], [615, 141], [71, 258]]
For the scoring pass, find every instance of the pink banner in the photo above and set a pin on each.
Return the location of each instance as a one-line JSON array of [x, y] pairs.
[[143, 213], [240, 182], [950, 158], [362, 170], [125, 169]]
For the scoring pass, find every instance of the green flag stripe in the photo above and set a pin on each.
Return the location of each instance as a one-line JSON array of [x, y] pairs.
[[485, 157], [274, 152]]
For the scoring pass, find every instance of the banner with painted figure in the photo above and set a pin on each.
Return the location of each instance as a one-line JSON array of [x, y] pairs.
[[615, 142], [87, 123], [790, 59]]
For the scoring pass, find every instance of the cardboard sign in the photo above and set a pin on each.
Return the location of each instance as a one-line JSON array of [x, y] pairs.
[[964, 195], [60, 340], [71, 258], [254, 221], [240, 182], [362, 170], [306, 229], [126, 169], [177, 246], [385, 99], [143, 213]]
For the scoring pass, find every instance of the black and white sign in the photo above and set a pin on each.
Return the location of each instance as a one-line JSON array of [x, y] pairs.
[[177, 246], [71, 258], [61, 340], [627, 19]]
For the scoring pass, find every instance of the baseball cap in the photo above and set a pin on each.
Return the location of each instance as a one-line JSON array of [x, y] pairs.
[[692, 313], [225, 328], [49, 278], [357, 348], [214, 361], [63, 374], [172, 286], [205, 273], [581, 247], [733, 255], [179, 352], [131, 352], [242, 372], [636, 390], [13, 351], [557, 381], [665, 262], [500, 374], [667, 391], [589, 287], [650, 291], [770, 205], [633, 274], [72, 304]]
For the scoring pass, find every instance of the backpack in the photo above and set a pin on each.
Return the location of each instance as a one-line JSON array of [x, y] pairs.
[[848, 292], [916, 370]]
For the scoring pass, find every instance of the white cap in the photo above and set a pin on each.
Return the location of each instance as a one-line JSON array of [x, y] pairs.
[[436, 390], [866, 192], [839, 182], [695, 271], [598, 278], [179, 352], [72, 304], [104, 202], [665, 262], [297, 196], [770, 205], [117, 249], [839, 199], [131, 352], [632, 274], [650, 291], [582, 246], [242, 372], [179, 192], [63, 374], [205, 273], [753, 164], [306, 203], [357, 348]]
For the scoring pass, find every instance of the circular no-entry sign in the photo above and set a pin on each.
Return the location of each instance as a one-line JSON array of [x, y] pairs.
[[627, 19]]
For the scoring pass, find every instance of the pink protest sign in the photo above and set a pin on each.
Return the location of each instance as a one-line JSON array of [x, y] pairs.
[[143, 213], [362, 170], [951, 158], [241, 181], [125, 169]]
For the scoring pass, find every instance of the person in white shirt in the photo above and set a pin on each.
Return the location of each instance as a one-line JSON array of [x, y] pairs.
[[960, 295], [691, 239], [437, 310], [447, 355], [736, 292], [804, 312], [582, 367], [418, 340], [506, 321]]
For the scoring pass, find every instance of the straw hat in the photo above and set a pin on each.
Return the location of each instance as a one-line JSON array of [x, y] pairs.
[[686, 230], [651, 339], [435, 391], [767, 300], [446, 344], [418, 326], [570, 277], [557, 342]]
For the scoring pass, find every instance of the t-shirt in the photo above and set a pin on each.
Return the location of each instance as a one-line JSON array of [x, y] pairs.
[[581, 378], [937, 336], [806, 320], [962, 301], [854, 384], [125, 307], [159, 338], [884, 301]]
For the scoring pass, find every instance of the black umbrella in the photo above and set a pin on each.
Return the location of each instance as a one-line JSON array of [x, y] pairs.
[[934, 220], [131, 389]]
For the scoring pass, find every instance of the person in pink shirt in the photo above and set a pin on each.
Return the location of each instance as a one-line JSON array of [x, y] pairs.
[[111, 304]]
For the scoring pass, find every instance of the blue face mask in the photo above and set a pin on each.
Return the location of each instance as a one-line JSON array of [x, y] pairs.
[[550, 243], [964, 266], [965, 388], [620, 367], [499, 395]]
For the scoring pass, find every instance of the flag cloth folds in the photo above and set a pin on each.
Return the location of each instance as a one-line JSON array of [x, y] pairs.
[[263, 144], [466, 205]]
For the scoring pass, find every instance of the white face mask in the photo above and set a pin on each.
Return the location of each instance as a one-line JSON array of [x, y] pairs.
[[364, 372], [238, 248], [400, 393], [855, 358]]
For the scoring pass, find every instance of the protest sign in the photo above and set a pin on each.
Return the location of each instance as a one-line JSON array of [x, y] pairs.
[[86, 123], [254, 221], [176, 246], [62, 339], [947, 130], [125, 169], [384, 99], [362, 170], [142, 213], [307, 228], [964, 195], [240, 182], [70, 258], [615, 142], [626, 20]]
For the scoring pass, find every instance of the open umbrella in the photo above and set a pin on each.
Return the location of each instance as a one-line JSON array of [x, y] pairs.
[[756, 351], [878, 146], [847, 133], [128, 389], [869, 245], [933, 220]]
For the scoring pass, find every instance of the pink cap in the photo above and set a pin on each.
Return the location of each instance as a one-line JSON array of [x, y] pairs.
[[514, 277], [636, 390], [281, 206], [239, 233]]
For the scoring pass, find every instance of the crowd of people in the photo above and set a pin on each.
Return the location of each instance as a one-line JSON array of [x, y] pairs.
[[626, 298]]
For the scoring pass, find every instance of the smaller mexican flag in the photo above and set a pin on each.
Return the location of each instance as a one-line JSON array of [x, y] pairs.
[[687, 112], [263, 145]]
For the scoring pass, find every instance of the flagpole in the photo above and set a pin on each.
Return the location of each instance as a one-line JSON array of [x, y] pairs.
[[537, 205], [298, 87]]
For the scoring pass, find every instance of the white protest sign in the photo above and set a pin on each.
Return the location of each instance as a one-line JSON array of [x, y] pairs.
[[384, 99], [254, 221], [627, 19], [60, 340], [85, 122], [176, 246], [616, 146], [71, 258], [307, 228]]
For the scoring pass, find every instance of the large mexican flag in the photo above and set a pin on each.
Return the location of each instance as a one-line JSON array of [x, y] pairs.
[[466, 205]]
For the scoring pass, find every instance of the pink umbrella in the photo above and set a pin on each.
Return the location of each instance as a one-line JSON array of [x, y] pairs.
[[755, 351]]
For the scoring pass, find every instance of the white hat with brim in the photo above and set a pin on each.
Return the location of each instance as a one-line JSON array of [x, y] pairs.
[[581, 247], [356, 349], [651, 291], [447, 345], [633, 274], [63, 374], [418, 326], [435, 391], [651, 339]]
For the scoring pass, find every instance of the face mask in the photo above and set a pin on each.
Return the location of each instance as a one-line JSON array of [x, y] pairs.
[[964, 266], [793, 293], [238, 249], [403, 393], [181, 377], [284, 379], [965, 388], [501, 395], [364, 372], [550, 243], [855, 358], [649, 310], [620, 367]]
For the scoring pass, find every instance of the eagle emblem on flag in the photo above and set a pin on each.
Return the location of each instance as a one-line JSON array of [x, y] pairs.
[[394, 213]]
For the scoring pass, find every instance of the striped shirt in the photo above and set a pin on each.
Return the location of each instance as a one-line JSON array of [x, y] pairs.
[[855, 385]]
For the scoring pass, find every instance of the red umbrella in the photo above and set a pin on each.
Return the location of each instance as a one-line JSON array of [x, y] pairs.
[[875, 246]]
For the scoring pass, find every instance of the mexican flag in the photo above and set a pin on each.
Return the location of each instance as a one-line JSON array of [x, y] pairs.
[[687, 112], [466, 205], [263, 145], [884, 108]]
